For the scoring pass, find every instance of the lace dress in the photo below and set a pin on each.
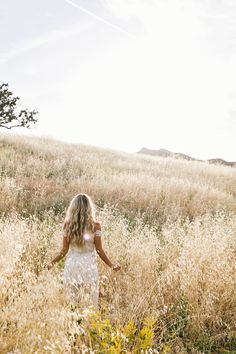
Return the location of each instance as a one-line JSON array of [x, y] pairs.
[[80, 276]]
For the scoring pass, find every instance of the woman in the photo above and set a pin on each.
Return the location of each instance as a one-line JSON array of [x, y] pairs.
[[82, 237]]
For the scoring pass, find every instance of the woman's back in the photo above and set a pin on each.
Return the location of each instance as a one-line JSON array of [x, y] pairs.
[[80, 272], [88, 245]]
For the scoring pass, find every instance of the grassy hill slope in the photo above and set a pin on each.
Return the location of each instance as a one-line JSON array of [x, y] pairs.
[[170, 223], [45, 174]]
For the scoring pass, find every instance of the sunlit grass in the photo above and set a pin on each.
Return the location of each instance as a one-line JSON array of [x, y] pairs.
[[171, 224]]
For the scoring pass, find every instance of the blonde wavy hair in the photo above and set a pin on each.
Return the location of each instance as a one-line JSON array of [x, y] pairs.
[[80, 217]]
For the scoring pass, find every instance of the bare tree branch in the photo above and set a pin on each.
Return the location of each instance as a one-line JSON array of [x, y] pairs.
[[13, 126]]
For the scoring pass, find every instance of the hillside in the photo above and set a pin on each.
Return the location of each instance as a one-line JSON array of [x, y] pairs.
[[171, 223], [45, 174], [178, 155]]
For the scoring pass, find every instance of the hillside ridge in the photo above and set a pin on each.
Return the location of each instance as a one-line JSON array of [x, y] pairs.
[[179, 155]]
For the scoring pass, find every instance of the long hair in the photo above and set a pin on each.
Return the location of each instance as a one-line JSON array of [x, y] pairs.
[[80, 216]]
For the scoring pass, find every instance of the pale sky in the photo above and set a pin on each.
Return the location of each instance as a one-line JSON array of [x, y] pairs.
[[124, 74]]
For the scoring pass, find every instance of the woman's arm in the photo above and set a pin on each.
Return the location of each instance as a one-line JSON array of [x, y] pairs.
[[99, 248], [63, 252]]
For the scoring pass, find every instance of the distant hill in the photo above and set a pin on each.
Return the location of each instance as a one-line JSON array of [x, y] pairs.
[[179, 155]]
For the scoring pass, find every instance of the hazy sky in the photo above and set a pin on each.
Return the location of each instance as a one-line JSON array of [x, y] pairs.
[[126, 73]]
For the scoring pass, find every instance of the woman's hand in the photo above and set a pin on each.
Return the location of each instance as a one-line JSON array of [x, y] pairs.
[[48, 266], [64, 250], [116, 267]]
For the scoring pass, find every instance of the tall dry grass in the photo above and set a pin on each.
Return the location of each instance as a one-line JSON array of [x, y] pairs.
[[184, 279], [45, 174], [176, 290]]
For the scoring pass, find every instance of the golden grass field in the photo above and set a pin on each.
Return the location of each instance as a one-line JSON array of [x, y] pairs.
[[170, 223]]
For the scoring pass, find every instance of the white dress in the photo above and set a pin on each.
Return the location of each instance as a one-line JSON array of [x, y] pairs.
[[80, 276]]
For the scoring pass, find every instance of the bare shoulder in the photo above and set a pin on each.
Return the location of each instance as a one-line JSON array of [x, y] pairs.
[[97, 225]]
